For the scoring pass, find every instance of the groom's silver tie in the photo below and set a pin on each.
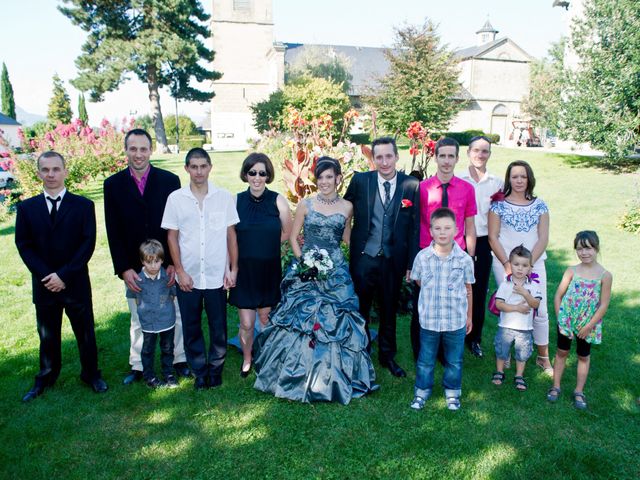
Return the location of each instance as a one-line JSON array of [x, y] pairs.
[[387, 194]]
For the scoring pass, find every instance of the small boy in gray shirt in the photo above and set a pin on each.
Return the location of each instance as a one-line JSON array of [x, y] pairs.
[[157, 314]]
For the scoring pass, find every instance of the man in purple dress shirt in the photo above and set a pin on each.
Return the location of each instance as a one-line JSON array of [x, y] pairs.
[[134, 201]]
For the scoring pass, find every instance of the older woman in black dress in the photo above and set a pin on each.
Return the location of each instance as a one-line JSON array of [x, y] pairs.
[[265, 221]]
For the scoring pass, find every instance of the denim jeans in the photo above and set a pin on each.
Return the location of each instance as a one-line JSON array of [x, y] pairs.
[[453, 346], [148, 353]]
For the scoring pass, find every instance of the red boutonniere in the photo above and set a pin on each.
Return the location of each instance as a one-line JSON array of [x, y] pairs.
[[406, 203]]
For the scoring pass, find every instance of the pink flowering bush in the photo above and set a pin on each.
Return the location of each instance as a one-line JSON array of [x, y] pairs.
[[89, 153]]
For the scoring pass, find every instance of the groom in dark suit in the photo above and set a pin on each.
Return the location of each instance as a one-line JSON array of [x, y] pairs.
[[56, 236], [384, 241]]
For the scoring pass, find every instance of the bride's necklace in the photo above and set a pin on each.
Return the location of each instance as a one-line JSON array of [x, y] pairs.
[[328, 201]]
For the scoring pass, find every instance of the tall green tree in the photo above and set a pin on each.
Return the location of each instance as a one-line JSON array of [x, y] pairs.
[[82, 109], [6, 91], [602, 98], [160, 41], [60, 104], [421, 83], [320, 62], [546, 83]]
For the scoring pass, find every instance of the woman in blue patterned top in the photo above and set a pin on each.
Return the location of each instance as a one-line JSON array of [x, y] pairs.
[[520, 218]]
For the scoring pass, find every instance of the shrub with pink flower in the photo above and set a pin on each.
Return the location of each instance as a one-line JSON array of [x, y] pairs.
[[300, 145], [89, 153], [421, 148]]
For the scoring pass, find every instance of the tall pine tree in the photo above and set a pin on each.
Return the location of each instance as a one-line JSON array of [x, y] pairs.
[[160, 41], [6, 91], [82, 110], [60, 104]]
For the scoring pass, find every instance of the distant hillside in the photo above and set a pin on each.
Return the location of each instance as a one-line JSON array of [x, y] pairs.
[[27, 119]]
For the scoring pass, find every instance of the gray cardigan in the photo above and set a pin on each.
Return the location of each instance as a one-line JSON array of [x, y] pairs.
[[156, 308]]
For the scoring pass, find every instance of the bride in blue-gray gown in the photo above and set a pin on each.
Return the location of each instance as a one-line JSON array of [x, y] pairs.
[[314, 347]]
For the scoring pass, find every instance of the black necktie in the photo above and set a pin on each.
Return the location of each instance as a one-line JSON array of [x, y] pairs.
[[445, 195], [387, 194], [54, 208]]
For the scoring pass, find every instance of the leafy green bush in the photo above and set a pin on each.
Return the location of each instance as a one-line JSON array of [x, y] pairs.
[[268, 114], [187, 143], [312, 97], [185, 124], [360, 138], [631, 219]]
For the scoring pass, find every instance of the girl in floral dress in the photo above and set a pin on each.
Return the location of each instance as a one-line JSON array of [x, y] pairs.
[[581, 301]]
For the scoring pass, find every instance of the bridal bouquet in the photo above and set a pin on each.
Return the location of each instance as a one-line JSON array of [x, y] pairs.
[[315, 264]]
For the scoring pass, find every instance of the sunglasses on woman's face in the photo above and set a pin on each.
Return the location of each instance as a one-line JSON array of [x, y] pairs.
[[253, 173]]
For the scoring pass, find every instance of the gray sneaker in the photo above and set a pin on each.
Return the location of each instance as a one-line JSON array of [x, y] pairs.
[[453, 403]]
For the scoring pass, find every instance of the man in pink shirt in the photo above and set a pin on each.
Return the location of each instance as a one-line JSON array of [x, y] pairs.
[[444, 189]]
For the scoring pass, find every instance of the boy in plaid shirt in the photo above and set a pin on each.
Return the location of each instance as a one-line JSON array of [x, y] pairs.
[[444, 273]]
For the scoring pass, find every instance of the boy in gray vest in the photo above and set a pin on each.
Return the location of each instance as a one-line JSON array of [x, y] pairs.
[[157, 314]]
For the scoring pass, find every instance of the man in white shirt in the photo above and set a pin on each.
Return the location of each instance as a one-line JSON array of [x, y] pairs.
[[485, 185], [200, 221]]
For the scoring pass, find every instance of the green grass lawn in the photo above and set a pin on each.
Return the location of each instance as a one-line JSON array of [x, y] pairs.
[[237, 432]]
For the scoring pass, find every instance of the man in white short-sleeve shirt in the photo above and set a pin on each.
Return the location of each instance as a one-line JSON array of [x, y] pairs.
[[485, 185], [200, 221]]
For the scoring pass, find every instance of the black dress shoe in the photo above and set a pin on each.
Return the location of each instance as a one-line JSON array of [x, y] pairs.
[[245, 373], [200, 383], [215, 381], [476, 349], [132, 376], [98, 385], [35, 392], [182, 370], [395, 369]]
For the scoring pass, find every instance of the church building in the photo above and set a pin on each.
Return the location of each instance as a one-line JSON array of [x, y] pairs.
[[494, 73]]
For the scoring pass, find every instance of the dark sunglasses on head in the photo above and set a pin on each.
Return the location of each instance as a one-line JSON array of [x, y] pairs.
[[253, 173]]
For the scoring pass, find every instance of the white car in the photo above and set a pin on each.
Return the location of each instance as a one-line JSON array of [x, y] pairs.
[[6, 178]]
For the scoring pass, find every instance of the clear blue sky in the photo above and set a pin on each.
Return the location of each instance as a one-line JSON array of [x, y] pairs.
[[38, 41]]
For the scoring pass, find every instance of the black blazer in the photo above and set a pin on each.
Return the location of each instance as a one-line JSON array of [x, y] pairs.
[[361, 192], [64, 247], [131, 218]]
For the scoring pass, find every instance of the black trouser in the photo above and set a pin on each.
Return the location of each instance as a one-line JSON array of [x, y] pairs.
[[49, 320], [191, 305], [482, 271], [375, 278], [148, 352]]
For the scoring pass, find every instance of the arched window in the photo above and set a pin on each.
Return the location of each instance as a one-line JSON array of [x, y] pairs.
[[500, 111]]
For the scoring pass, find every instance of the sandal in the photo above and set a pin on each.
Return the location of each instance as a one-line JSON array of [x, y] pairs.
[[579, 404], [540, 361], [418, 403], [553, 394], [520, 383], [498, 378]]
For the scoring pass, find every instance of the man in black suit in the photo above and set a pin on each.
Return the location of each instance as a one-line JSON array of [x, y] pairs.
[[134, 201], [56, 236], [384, 241]]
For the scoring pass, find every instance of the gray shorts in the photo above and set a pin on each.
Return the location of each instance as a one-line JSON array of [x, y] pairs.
[[523, 343]]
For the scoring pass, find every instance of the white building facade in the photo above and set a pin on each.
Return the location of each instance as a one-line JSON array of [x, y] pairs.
[[494, 73]]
